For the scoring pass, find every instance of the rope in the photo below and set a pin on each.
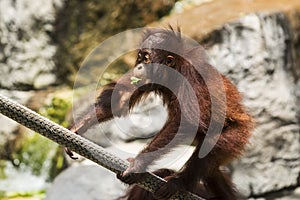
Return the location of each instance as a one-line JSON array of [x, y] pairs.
[[78, 144]]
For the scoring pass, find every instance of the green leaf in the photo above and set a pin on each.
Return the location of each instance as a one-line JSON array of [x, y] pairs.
[[135, 80]]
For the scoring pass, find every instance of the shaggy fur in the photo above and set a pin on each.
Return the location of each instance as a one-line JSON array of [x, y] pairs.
[[177, 69]]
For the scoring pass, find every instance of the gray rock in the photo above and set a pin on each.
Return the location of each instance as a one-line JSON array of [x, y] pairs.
[[254, 53], [25, 49], [85, 182]]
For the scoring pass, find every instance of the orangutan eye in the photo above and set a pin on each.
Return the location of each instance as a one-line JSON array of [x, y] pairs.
[[170, 59], [147, 58]]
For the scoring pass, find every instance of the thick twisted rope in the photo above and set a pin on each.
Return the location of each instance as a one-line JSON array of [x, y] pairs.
[[78, 144]]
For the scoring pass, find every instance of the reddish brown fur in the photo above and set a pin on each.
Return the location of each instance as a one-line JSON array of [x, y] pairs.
[[189, 60]]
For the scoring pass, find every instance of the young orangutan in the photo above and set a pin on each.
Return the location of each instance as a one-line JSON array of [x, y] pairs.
[[204, 110]]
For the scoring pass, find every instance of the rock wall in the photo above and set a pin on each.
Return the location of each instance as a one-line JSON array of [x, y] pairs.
[[26, 53], [256, 52]]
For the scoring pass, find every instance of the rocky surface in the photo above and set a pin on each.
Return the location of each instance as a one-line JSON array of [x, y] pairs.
[[86, 182], [255, 52], [26, 55], [200, 21]]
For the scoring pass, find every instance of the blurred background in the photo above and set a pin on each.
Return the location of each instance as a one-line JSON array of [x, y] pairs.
[[43, 44]]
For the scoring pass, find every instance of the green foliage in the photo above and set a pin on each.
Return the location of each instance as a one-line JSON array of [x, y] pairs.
[[34, 154], [57, 110], [39, 154], [16, 195], [2, 170]]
